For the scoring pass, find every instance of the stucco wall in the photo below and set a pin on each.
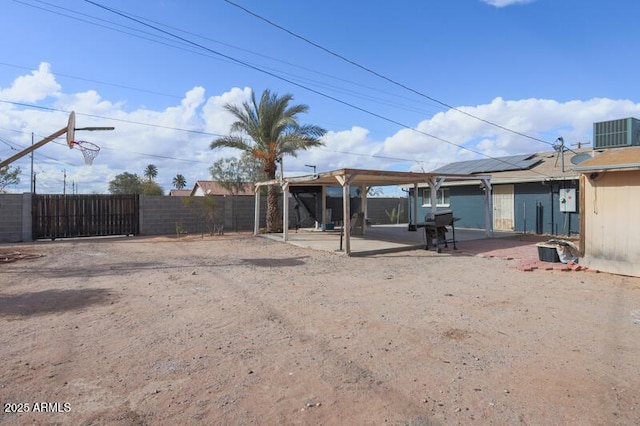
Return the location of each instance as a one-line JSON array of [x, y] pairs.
[[611, 232], [468, 203], [553, 221]]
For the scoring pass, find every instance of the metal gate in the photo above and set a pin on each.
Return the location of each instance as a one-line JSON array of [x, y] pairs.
[[65, 216]]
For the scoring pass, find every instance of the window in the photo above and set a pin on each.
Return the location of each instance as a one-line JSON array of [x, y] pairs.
[[442, 197]]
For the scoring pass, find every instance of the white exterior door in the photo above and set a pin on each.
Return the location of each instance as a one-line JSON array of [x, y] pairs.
[[503, 208]]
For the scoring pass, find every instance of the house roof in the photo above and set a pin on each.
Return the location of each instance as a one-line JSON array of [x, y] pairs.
[[539, 167], [610, 159], [179, 192], [490, 165], [210, 187]]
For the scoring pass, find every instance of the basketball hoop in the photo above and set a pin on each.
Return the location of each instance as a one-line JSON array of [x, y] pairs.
[[89, 150]]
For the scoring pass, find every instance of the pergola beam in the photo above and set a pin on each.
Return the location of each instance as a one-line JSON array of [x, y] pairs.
[[364, 178]]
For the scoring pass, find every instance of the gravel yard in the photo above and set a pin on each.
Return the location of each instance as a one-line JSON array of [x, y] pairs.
[[241, 330]]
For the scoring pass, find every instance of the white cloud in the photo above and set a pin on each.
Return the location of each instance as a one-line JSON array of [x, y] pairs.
[[343, 149], [216, 118], [39, 85], [143, 136], [504, 3], [462, 137]]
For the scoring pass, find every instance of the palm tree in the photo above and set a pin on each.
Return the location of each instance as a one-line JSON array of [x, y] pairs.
[[151, 172], [274, 131], [179, 181]]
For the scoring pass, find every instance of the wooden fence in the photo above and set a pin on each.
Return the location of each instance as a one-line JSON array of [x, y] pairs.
[[64, 216]]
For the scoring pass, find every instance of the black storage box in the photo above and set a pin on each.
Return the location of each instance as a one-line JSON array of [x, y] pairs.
[[548, 252]]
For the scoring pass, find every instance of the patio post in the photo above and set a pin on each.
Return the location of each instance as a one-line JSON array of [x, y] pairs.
[[324, 208], [256, 213], [346, 210], [434, 185], [488, 208], [346, 217], [415, 204], [363, 207], [285, 211]]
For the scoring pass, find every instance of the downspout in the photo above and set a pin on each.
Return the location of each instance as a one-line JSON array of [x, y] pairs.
[[552, 218]]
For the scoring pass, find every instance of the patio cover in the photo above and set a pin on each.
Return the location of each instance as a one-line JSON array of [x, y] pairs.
[[364, 179]]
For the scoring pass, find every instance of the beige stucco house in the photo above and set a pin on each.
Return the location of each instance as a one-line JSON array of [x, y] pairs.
[[610, 206]]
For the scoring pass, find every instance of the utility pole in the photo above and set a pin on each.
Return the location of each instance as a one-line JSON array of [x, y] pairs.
[[33, 182], [64, 181]]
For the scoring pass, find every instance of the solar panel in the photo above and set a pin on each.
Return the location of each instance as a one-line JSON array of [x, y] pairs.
[[488, 165]]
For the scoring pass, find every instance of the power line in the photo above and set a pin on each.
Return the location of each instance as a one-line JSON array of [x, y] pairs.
[[120, 86], [377, 74], [112, 118], [185, 41], [273, 75], [176, 129], [124, 15], [156, 39]]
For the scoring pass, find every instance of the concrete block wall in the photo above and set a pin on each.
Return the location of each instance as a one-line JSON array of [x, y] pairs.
[[377, 208], [239, 212], [15, 217], [159, 215]]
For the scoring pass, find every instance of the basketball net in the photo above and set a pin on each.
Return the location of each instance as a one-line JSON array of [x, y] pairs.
[[89, 150]]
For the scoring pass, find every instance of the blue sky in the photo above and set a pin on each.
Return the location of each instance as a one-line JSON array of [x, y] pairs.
[[542, 68]]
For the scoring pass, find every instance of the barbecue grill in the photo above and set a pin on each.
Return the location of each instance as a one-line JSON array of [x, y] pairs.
[[435, 230]]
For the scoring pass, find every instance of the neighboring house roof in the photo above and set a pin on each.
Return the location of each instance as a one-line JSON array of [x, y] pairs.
[[538, 167], [179, 192], [614, 158], [209, 187]]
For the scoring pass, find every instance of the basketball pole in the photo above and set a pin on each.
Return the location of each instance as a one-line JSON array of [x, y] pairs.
[[33, 147], [69, 130]]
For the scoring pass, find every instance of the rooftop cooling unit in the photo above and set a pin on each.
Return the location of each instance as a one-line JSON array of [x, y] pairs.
[[616, 133]]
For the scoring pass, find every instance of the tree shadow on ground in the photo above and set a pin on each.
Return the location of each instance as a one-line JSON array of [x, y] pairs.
[[52, 301], [276, 263]]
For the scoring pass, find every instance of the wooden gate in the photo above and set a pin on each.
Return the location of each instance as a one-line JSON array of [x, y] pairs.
[[64, 216]]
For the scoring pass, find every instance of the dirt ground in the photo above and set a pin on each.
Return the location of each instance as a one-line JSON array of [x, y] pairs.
[[236, 330]]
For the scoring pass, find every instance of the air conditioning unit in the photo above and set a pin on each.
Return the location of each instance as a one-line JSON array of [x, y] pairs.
[[616, 133]]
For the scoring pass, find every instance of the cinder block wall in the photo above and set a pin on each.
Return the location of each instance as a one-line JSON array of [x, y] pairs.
[[11, 217], [378, 207], [239, 212], [162, 215]]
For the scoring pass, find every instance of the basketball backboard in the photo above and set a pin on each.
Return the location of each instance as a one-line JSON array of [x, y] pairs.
[[71, 129]]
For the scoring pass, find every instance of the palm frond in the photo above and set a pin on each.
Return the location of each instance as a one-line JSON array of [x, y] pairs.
[[231, 141]]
